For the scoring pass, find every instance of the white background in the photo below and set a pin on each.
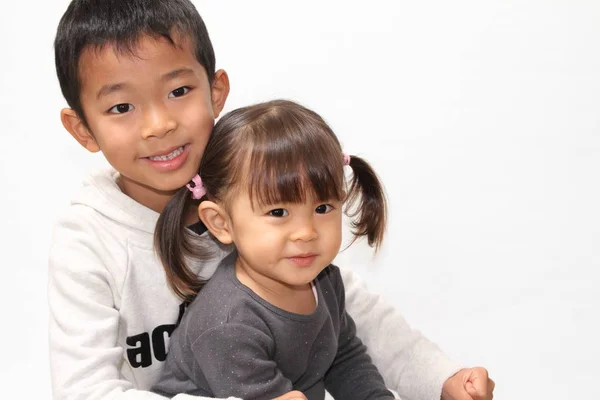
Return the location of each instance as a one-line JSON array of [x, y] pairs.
[[481, 117]]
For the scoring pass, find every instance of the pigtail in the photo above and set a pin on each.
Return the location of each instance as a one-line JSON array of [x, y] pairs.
[[174, 243], [366, 203]]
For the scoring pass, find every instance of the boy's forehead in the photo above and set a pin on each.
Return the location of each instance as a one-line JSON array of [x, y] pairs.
[[110, 60], [141, 47]]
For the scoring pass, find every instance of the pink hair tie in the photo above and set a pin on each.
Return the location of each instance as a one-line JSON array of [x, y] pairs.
[[198, 188], [346, 159]]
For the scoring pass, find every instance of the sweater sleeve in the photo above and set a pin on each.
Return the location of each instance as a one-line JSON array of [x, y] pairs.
[[235, 359], [85, 358], [410, 364], [352, 374]]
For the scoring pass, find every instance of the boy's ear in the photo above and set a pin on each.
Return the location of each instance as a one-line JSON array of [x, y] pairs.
[[219, 91], [78, 130], [216, 219]]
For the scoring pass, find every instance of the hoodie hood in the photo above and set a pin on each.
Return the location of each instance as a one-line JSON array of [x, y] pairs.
[[101, 192]]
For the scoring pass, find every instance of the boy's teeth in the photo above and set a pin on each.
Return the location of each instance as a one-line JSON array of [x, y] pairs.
[[169, 156]]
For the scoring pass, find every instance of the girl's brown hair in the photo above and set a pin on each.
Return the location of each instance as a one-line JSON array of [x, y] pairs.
[[283, 153]]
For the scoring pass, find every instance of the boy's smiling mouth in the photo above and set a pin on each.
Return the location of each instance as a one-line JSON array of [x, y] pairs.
[[169, 159], [166, 156]]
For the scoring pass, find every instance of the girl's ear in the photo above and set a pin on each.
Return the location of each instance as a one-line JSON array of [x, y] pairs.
[[78, 130], [216, 219]]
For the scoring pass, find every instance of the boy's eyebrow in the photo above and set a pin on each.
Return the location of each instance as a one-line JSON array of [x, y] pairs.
[[108, 89], [178, 72]]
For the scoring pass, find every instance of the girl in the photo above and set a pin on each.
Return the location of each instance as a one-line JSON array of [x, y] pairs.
[[272, 317]]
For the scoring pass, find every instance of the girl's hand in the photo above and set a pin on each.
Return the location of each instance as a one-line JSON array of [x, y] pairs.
[[293, 395], [469, 384]]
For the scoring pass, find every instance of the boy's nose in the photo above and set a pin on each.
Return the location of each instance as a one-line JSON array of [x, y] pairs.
[[157, 122], [305, 232]]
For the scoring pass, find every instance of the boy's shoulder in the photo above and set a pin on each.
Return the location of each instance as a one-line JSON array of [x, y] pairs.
[[97, 234], [100, 205]]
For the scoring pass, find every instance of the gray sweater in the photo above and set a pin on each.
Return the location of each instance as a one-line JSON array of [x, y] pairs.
[[231, 342]]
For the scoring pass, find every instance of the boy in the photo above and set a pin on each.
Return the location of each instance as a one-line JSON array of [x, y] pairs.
[[139, 77]]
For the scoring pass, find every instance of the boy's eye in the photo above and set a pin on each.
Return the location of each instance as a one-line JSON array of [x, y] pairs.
[[121, 108], [278, 212], [179, 92], [323, 208]]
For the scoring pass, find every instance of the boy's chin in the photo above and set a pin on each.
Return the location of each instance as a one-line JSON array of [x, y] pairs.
[[170, 188], [165, 186]]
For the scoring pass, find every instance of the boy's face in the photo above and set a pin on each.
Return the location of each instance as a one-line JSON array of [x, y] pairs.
[[150, 113]]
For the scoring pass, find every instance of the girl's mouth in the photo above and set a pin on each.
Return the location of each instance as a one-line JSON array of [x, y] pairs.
[[303, 260]]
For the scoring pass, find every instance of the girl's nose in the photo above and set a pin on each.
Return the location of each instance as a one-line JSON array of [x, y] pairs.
[[157, 122], [305, 232]]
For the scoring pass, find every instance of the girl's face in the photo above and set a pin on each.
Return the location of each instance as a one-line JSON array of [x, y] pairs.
[[285, 245]]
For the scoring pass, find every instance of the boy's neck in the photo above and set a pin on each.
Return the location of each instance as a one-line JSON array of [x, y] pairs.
[[153, 199]]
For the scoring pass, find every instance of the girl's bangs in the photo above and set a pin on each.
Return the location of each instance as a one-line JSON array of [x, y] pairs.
[[298, 176]]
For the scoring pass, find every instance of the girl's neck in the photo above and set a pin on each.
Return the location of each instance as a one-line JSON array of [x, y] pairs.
[[294, 299]]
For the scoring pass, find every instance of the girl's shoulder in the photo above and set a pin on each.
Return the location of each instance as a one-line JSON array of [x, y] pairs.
[[331, 276]]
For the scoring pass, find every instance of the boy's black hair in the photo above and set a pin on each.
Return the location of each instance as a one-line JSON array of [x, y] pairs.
[[121, 23]]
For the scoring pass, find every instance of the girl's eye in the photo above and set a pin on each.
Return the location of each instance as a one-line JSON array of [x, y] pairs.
[[323, 208], [121, 108], [179, 92], [278, 212]]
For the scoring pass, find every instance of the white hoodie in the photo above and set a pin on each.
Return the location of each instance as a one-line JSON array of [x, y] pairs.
[[112, 312]]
